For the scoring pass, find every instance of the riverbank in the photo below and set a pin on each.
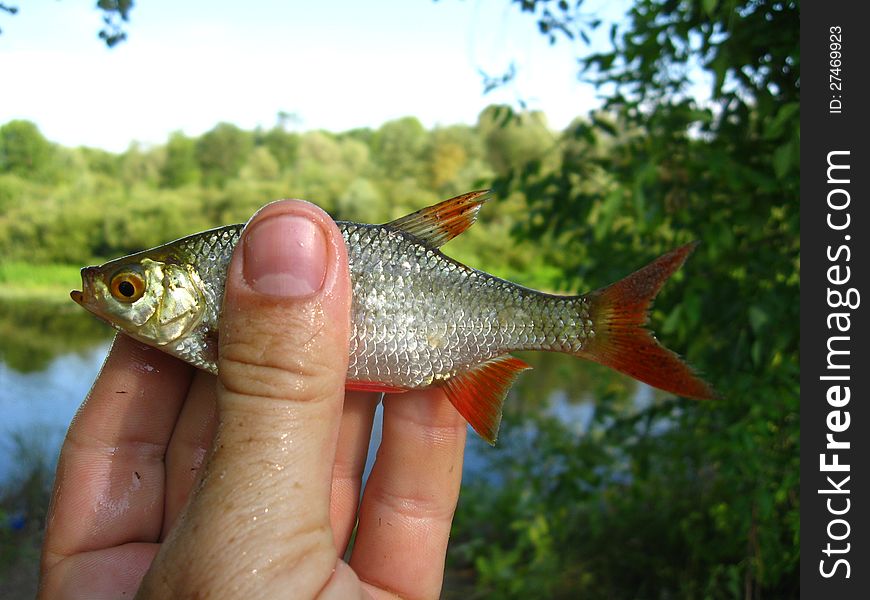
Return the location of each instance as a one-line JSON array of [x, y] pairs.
[[42, 282]]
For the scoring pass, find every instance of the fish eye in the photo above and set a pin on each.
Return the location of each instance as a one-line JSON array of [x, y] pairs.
[[127, 286]]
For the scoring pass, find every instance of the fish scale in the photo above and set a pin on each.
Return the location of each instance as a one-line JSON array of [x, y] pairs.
[[442, 320], [418, 317]]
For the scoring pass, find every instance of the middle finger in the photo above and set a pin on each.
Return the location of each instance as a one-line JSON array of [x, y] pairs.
[[410, 497], [350, 461], [191, 440]]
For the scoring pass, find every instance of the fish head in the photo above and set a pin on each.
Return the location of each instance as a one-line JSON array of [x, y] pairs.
[[155, 300]]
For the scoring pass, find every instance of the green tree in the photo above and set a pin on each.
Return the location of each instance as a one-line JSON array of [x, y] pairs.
[[180, 167], [283, 146], [362, 201], [455, 158], [100, 161], [24, 151], [221, 152], [261, 165], [141, 165], [397, 146], [514, 140], [326, 166]]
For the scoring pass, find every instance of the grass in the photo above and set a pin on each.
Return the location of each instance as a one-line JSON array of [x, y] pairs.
[[46, 282]]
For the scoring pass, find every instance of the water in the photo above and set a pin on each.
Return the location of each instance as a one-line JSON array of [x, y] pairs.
[[37, 407]]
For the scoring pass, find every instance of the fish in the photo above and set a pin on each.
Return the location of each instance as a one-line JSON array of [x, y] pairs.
[[419, 318]]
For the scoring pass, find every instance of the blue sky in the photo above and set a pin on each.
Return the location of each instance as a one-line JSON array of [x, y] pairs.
[[336, 65]]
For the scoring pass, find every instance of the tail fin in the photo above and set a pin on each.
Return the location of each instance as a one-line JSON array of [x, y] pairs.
[[618, 314]]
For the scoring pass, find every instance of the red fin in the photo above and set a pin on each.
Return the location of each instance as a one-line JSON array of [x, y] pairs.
[[372, 386], [619, 313], [478, 393], [438, 224]]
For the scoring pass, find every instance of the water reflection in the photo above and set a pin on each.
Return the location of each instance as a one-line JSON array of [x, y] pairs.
[[34, 334]]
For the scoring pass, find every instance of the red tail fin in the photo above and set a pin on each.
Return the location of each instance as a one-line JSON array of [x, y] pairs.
[[619, 313]]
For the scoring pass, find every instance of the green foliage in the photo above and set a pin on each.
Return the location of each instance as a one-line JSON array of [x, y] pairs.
[[98, 205], [282, 145], [398, 147], [221, 152], [456, 160], [514, 141], [683, 499], [24, 151], [180, 167]]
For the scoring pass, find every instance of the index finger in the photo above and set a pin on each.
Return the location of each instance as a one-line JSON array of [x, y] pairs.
[[109, 485]]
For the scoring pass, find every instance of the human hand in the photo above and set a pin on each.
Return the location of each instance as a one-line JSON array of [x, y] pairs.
[[174, 483]]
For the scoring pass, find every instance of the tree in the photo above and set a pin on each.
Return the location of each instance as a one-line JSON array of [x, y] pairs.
[[283, 146], [180, 167], [141, 166], [100, 161], [221, 152], [711, 487], [454, 159], [514, 140], [397, 146], [23, 150], [261, 165]]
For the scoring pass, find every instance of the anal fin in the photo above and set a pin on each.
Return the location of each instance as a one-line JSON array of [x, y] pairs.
[[478, 394]]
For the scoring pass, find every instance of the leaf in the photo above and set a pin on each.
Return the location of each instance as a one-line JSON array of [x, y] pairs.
[[604, 124], [782, 159], [785, 114], [709, 7], [757, 318], [755, 352], [672, 322], [639, 202]]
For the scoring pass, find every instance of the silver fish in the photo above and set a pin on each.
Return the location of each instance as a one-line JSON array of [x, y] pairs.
[[418, 317]]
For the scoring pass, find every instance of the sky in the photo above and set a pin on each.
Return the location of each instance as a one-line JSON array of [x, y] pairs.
[[335, 65]]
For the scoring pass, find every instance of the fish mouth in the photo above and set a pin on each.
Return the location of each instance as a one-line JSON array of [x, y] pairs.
[[81, 297]]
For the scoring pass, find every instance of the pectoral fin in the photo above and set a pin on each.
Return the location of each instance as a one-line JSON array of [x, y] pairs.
[[478, 394], [438, 224]]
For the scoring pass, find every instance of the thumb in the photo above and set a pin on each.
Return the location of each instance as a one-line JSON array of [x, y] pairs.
[[259, 523]]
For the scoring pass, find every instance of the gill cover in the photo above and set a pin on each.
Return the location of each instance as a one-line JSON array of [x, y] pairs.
[[172, 305]]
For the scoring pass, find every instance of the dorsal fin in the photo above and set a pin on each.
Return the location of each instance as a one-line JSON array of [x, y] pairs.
[[479, 393], [438, 224]]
